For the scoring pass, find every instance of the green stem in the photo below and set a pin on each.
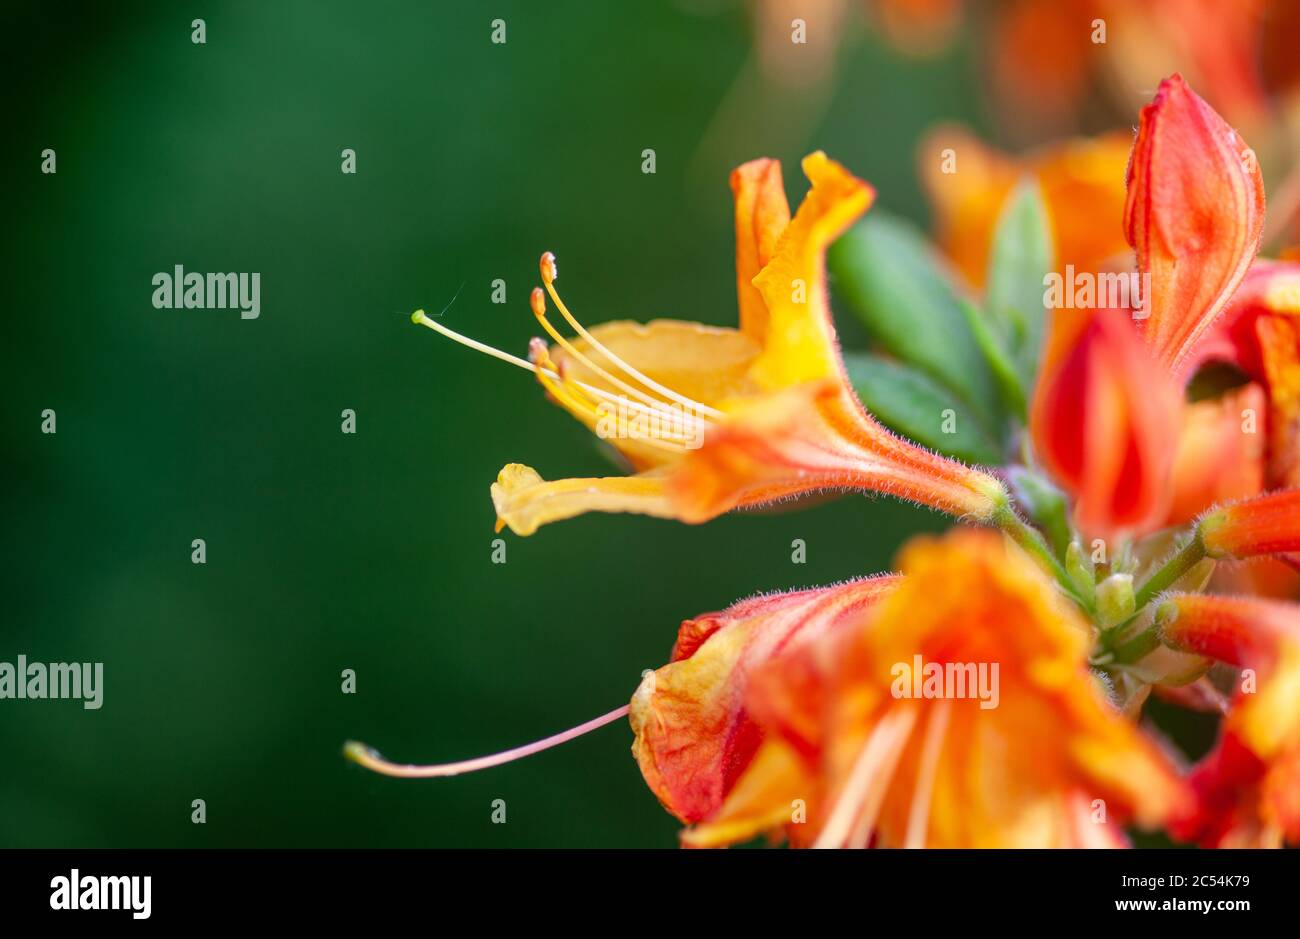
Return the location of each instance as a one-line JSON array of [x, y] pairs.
[[1133, 649], [1032, 541], [1187, 557]]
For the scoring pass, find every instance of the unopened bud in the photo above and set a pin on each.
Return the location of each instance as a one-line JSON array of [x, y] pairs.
[[1115, 601]]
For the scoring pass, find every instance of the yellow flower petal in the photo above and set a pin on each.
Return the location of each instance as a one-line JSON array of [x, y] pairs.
[[800, 344], [705, 363], [525, 501]]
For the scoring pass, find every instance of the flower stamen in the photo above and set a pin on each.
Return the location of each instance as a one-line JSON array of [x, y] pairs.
[[549, 369], [918, 817], [657, 407], [853, 819], [572, 396], [549, 274]]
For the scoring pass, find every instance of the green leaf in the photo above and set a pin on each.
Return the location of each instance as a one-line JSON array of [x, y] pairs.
[[1005, 371], [913, 404], [1021, 256], [885, 273]]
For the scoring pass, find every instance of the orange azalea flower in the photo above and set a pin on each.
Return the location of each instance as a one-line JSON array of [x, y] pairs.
[[1043, 56], [875, 764], [1080, 179], [1240, 52], [1039, 59], [1043, 59], [717, 419], [1225, 51], [694, 735], [918, 27], [1248, 789]]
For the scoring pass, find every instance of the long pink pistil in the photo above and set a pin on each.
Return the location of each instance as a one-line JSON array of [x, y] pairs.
[[371, 759]]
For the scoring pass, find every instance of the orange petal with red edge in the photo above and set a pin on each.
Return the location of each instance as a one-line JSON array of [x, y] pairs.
[[1104, 420], [803, 440], [694, 735], [1194, 215]]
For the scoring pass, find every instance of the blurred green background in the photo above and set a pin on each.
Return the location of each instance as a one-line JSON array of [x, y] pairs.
[[371, 552]]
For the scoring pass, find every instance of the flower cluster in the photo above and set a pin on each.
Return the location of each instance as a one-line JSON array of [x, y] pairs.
[[1102, 560]]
